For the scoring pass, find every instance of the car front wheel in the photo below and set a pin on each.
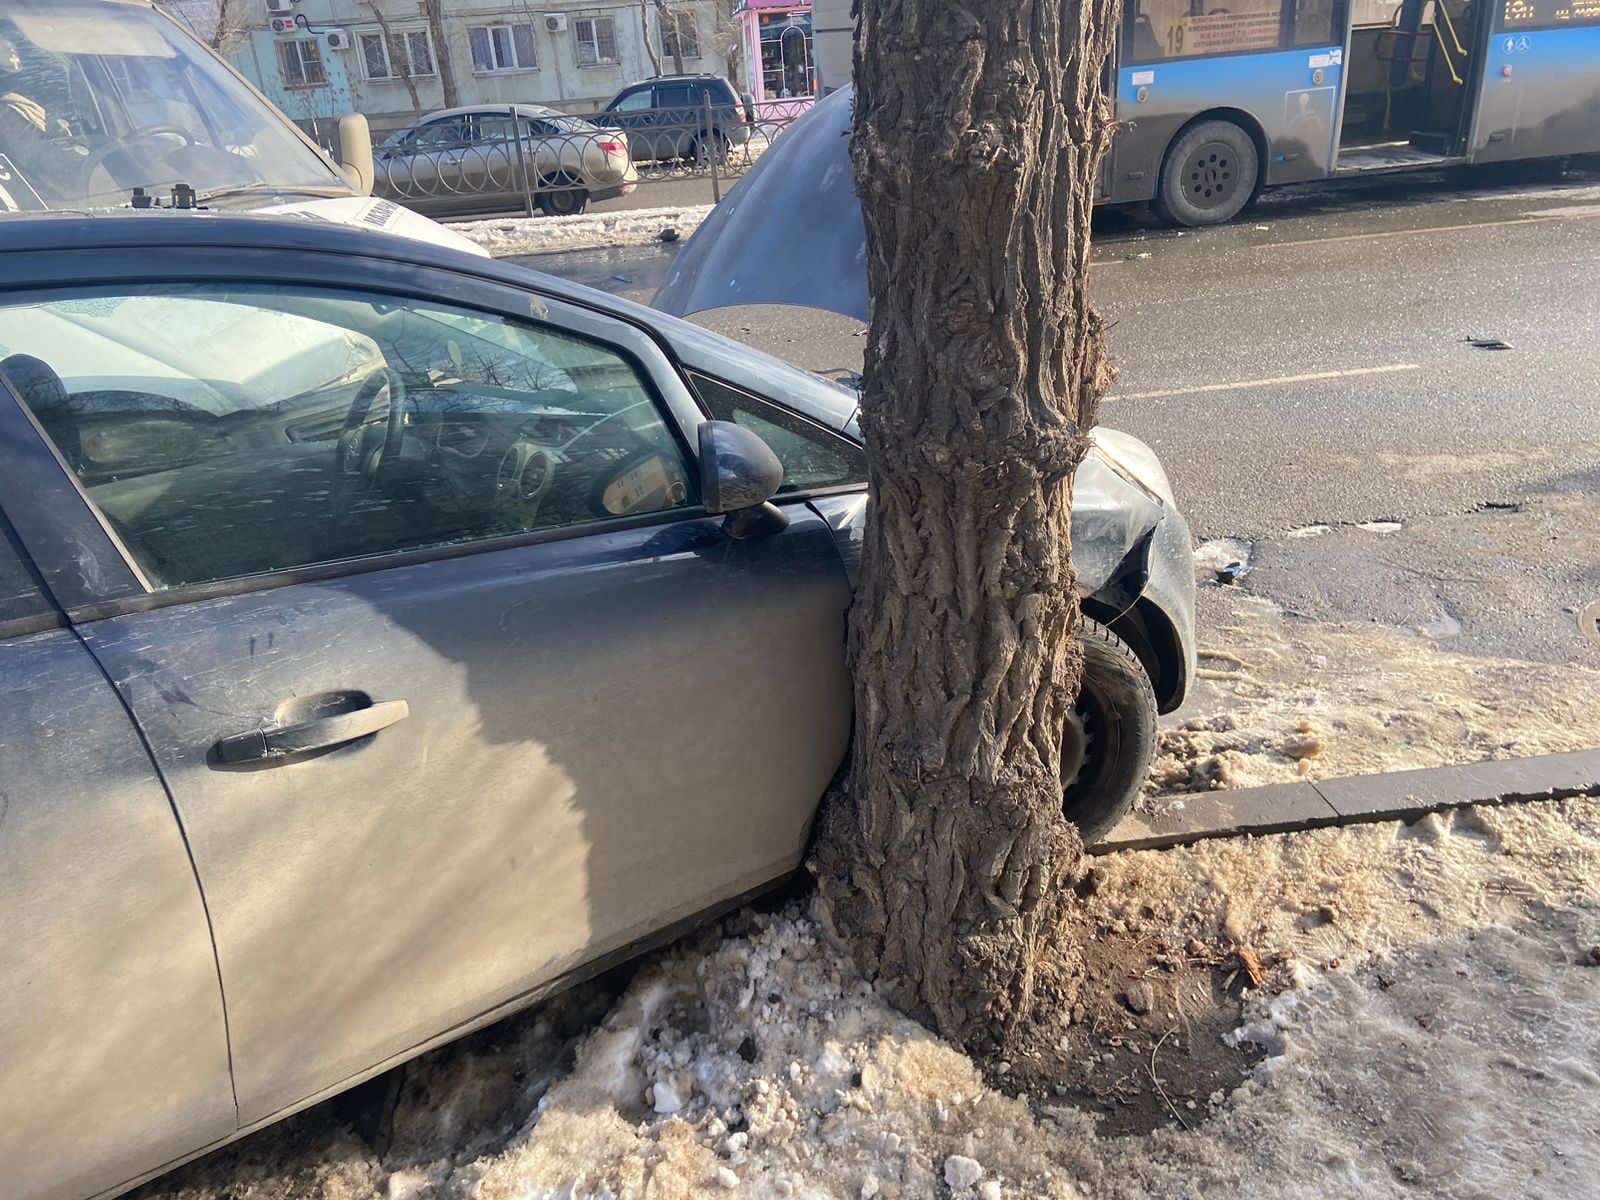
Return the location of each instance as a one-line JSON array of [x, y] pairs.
[[1110, 737]]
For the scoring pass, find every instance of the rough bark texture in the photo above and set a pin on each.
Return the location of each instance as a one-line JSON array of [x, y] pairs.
[[441, 53], [944, 859], [644, 30]]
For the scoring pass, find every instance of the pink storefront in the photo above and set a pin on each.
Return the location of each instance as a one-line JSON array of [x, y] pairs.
[[780, 69]]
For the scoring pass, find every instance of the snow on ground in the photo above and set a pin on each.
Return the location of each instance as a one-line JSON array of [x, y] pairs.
[[1290, 699], [1429, 1029], [503, 236]]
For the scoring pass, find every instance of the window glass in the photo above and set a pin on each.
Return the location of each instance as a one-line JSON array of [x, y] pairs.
[[301, 61], [638, 101], [787, 65], [435, 134], [596, 41], [1168, 29], [679, 34], [675, 95], [229, 431], [1318, 23], [813, 457]]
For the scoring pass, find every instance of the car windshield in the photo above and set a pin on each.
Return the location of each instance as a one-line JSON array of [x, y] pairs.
[[98, 98]]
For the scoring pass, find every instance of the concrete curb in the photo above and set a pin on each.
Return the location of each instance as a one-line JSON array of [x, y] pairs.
[[1396, 796]]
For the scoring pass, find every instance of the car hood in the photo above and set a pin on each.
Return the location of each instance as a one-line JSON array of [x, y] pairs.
[[748, 251]]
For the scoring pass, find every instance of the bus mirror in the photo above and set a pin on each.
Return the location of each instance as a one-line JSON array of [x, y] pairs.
[[355, 152]]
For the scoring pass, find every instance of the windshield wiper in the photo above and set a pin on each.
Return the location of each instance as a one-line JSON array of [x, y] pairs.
[[271, 189]]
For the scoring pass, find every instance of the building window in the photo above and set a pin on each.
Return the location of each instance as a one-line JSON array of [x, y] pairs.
[[503, 48], [679, 36], [787, 68], [597, 41], [301, 62], [405, 54]]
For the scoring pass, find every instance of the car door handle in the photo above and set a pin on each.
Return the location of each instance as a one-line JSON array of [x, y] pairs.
[[267, 745]]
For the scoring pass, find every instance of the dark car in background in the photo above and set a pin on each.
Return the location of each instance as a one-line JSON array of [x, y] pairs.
[[681, 117]]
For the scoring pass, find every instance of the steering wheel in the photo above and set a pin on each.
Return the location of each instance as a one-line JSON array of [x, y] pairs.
[[358, 462], [96, 158]]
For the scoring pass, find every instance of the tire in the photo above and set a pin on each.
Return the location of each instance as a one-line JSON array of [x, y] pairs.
[[1112, 737], [569, 200], [720, 146], [1210, 175]]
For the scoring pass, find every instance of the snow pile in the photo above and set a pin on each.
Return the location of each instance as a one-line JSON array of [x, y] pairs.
[[1293, 699], [1428, 1017], [504, 236]]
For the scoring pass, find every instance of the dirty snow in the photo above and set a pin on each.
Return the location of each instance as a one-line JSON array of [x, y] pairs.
[[1291, 699], [1429, 1028], [503, 236]]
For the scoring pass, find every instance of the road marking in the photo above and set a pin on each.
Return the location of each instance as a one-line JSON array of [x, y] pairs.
[[1554, 215], [1275, 381]]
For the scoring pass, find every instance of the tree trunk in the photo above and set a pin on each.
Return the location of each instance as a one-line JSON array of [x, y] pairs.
[[644, 28], [944, 860], [677, 45], [441, 54]]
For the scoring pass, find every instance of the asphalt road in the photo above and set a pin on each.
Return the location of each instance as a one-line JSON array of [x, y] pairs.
[[1314, 365]]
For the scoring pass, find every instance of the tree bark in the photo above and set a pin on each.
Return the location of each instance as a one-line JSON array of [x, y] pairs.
[[944, 859], [677, 45], [441, 54], [644, 29]]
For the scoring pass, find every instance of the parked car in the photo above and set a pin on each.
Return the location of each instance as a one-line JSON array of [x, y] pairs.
[[466, 160], [391, 636], [132, 101], [681, 117]]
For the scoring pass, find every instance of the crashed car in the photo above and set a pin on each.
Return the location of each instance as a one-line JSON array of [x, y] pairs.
[[390, 637]]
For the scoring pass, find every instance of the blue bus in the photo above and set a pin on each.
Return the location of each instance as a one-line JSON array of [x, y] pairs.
[[1217, 99]]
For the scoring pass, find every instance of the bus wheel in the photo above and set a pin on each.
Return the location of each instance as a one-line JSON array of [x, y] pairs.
[[1209, 176]]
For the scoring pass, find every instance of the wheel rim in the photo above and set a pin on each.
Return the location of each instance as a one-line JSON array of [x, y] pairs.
[[1084, 748], [1211, 175]]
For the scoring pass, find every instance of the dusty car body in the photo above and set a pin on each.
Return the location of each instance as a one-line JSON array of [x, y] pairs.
[[390, 637], [469, 160]]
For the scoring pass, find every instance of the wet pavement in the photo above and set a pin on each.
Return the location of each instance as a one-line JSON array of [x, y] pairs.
[[1323, 361]]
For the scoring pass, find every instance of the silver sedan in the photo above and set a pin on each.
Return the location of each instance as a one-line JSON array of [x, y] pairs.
[[468, 160]]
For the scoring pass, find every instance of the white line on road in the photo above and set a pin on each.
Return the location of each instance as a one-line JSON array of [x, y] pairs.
[[1276, 381], [1554, 214]]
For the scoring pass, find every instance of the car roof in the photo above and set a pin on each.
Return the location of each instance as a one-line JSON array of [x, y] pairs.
[[470, 110], [157, 229]]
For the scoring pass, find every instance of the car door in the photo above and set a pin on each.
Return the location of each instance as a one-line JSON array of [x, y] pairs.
[[680, 118], [635, 112], [424, 168], [451, 550], [112, 1043], [493, 167]]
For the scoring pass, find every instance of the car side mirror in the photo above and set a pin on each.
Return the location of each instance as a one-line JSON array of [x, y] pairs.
[[739, 475], [355, 152]]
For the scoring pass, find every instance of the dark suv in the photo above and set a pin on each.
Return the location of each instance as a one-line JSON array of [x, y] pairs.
[[681, 116]]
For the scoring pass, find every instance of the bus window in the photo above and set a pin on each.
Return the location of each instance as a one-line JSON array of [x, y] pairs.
[[1168, 29], [1318, 23]]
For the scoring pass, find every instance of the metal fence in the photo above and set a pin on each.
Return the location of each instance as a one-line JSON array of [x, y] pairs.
[[499, 160]]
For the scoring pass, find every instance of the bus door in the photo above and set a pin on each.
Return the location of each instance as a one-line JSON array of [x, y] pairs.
[[1540, 89], [1272, 68]]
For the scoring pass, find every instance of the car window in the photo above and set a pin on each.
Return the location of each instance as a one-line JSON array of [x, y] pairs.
[[494, 127], [226, 431], [813, 457], [437, 134], [636, 101], [720, 92], [675, 95]]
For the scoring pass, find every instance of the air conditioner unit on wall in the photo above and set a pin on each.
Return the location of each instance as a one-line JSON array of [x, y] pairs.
[[338, 39], [280, 7], [284, 25], [555, 22]]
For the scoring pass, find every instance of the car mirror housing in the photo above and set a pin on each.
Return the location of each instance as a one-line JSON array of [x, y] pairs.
[[739, 475]]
